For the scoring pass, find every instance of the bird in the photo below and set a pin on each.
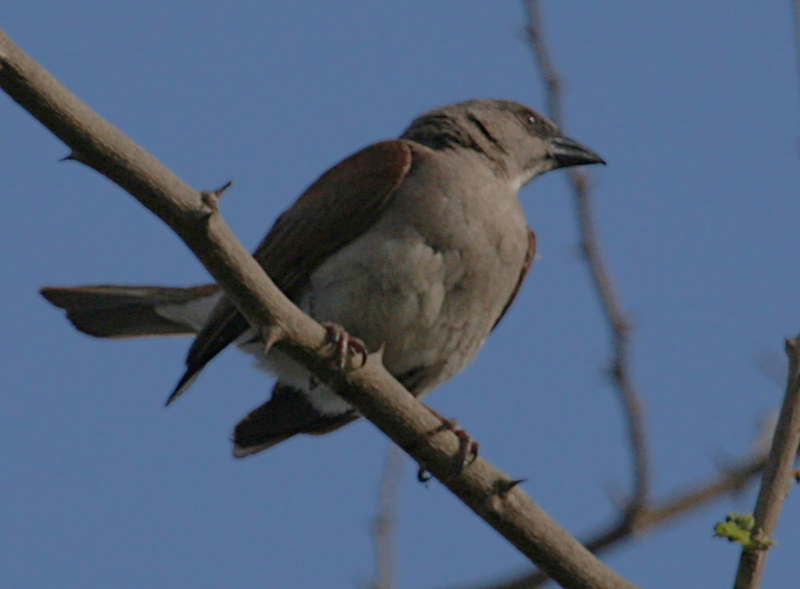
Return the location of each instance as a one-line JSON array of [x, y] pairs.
[[417, 245]]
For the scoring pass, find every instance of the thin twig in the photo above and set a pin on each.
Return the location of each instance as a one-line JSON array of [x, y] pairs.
[[384, 526], [618, 325], [797, 33], [778, 475]]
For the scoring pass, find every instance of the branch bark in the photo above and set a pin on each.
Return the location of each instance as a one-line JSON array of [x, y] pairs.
[[682, 503], [778, 474], [194, 216]]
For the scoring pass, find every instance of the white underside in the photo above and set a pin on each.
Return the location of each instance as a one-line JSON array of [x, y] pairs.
[[195, 313], [289, 372]]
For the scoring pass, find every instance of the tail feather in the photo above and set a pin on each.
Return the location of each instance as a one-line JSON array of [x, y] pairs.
[[287, 413], [130, 311]]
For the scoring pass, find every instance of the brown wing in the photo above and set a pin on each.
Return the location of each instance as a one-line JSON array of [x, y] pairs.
[[340, 206], [529, 256]]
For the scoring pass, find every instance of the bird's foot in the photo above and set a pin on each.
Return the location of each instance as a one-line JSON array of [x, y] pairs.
[[467, 447], [346, 345]]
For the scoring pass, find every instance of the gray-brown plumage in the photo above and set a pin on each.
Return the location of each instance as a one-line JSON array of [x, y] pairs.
[[418, 244]]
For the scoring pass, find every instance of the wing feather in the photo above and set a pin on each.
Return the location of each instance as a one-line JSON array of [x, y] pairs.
[[339, 207], [530, 255]]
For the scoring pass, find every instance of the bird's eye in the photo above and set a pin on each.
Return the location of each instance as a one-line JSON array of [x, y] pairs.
[[532, 119]]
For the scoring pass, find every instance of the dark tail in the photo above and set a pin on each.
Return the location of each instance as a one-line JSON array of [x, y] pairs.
[[287, 413], [131, 311]]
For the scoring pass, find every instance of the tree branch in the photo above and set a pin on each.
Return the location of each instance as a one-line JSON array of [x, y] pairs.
[[618, 325], [796, 5], [680, 504], [778, 474], [385, 519], [194, 216]]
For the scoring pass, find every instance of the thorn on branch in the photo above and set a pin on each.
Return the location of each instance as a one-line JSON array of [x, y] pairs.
[[423, 474], [221, 190], [74, 156], [503, 486], [211, 197], [270, 336]]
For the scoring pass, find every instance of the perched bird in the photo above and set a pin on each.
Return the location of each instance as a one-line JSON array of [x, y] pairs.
[[418, 244]]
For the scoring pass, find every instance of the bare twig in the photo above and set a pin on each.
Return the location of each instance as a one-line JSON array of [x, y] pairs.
[[371, 389], [778, 475], [616, 319], [541, 52], [733, 480], [796, 4], [384, 527]]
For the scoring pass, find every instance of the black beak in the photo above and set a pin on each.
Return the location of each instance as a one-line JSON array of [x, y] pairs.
[[568, 152]]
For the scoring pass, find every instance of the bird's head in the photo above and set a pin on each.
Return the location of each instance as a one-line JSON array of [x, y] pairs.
[[516, 140]]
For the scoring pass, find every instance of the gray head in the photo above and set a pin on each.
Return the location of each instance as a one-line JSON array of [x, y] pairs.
[[516, 140]]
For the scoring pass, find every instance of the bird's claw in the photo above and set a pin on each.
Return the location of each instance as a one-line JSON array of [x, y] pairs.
[[467, 448], [346, 345]]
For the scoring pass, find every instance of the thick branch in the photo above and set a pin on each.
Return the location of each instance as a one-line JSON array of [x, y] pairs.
[[681, 504], [778, 474], [618, 325], [193, 216]]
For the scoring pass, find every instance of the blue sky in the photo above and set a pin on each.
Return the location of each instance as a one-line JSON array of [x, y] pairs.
[[695, 107]]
